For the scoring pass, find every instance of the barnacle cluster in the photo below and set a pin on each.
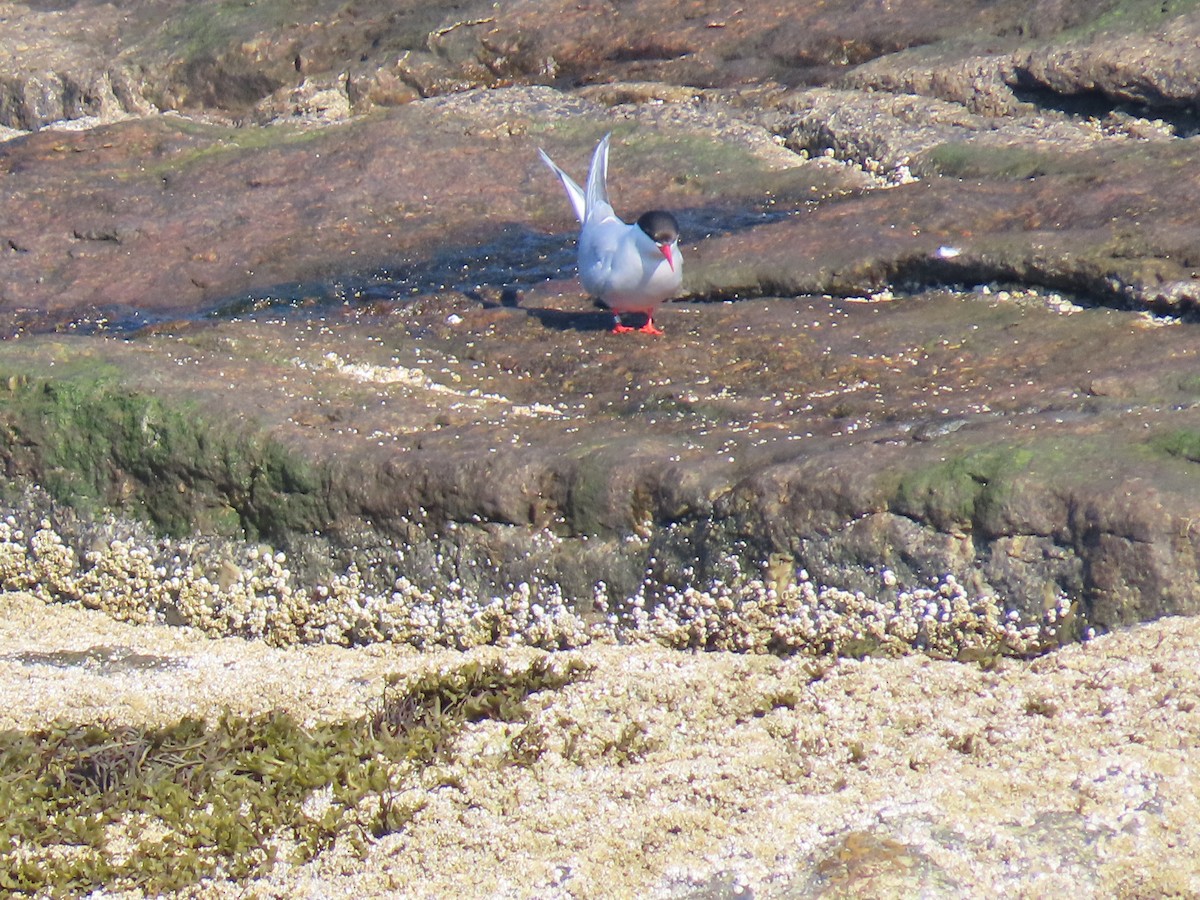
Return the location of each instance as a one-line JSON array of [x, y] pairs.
[[943, 620], [253, 592]]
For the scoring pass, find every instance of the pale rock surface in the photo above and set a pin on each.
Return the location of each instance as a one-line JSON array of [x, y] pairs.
[[749, 776]]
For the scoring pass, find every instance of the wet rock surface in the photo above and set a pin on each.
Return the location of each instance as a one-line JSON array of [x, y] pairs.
[[870, 370], [825, 431]]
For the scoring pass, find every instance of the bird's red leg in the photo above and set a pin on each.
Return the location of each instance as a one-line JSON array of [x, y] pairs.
[[649, 327]]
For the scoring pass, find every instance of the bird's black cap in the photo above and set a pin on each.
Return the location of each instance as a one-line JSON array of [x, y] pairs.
[[661, 226]]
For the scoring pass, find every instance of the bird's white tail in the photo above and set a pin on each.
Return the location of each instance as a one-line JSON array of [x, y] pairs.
[[574, 191], [597, 180]]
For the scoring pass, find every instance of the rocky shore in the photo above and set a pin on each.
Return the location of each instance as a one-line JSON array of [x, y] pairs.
[[298, 391], [710, 775]]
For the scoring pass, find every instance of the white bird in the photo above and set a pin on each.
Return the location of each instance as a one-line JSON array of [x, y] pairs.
[[629, 268]]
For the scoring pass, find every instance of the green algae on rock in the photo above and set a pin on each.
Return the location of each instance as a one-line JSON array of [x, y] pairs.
[[90, 442], [159, 808], [952, 493]]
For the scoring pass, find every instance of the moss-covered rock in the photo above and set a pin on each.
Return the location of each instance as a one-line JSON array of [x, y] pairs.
[[95, 444]]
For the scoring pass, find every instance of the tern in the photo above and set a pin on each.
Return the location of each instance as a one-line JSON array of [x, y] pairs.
[[629, 268]]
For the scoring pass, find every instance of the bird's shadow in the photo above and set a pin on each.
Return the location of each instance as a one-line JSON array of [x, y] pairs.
[[555, 319], [562, 320]]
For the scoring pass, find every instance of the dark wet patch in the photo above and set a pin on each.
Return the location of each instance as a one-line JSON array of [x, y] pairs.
[[106, 659], [519, 259]]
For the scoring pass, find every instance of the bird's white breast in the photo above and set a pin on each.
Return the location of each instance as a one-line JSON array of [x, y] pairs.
[[622, 266]]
